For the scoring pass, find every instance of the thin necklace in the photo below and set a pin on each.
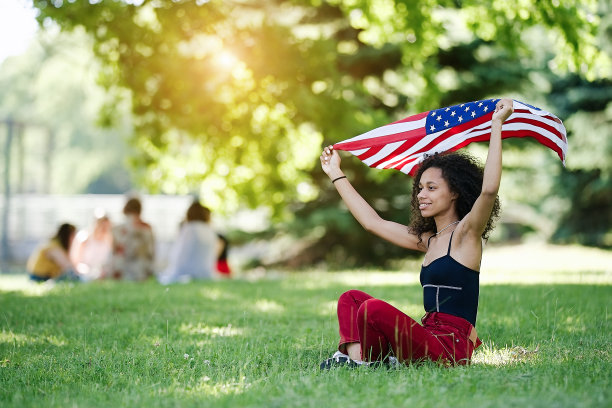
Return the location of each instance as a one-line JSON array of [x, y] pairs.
[[452, 223]]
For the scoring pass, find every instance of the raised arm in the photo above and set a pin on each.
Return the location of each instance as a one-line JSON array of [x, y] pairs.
[[477, 218], [368, 218]]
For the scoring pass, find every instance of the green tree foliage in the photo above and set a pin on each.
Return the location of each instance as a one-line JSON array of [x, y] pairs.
[[230, 89], [587, 180], [233, 99]]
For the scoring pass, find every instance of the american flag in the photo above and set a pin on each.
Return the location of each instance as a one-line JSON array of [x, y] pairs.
[[402, 145]]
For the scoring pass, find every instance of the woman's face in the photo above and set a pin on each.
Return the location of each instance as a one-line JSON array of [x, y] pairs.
[[435, 197]]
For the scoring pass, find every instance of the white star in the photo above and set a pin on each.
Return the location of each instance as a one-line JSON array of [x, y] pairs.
[[446, 110], [433, 113], [480, 104], [439, 118], [467, 109], [453, 113], [460, 119], [473, 113], [462, 105], [486, 108], [432, 128], [446, 123]]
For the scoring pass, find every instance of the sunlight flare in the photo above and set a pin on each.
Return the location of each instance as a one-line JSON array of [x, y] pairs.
[[213, 331], [23, 284], [226, 60], [268, 306], [489, 355], [18, 339]]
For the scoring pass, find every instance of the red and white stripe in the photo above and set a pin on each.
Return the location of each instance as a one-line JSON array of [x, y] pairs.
[[402, 145]]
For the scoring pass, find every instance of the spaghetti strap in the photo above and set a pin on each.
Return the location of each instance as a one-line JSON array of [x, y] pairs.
[[429, 240], [450, 241]]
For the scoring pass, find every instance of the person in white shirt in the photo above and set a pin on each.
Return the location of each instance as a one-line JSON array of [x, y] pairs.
[[194, 254]]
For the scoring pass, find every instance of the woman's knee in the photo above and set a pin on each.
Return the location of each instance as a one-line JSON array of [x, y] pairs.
[[370, 308], [353, 296]]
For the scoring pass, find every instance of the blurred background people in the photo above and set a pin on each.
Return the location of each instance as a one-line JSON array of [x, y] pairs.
[[91, 249], [194, 254], [133, 248], [52, 260], [222, 266]]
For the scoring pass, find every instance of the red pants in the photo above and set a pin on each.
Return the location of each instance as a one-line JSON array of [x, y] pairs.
[[381, 328]]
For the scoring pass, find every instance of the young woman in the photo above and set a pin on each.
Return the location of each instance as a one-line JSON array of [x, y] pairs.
[[133, 250], [195, 252], [453, 203], [51, 260], [90, 251]]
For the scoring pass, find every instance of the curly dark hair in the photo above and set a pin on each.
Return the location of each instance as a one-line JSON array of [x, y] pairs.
[[464, 176]]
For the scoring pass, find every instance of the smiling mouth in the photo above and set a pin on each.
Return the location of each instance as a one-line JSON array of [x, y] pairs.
[[422, 206]]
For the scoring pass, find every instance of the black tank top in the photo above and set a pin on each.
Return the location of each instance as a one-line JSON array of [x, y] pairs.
[[450, 287]]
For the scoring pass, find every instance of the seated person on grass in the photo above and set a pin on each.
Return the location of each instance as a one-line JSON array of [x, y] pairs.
[[51, 260], [194, 253], [454, 203]]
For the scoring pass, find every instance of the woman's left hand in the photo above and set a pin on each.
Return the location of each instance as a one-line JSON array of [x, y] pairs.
[[503, 109]]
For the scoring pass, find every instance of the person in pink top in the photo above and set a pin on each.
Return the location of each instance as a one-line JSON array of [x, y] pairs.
[[91, 250]]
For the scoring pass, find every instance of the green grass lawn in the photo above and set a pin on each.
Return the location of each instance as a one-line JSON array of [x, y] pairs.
[[259, 342]]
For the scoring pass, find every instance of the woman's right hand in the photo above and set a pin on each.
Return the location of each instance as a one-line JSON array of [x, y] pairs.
[[362, 211], [330, 162]]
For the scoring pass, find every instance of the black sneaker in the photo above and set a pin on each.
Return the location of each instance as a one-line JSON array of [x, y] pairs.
[[339, 360]]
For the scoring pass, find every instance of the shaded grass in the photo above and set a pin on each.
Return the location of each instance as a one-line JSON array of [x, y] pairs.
[[259, 343]]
